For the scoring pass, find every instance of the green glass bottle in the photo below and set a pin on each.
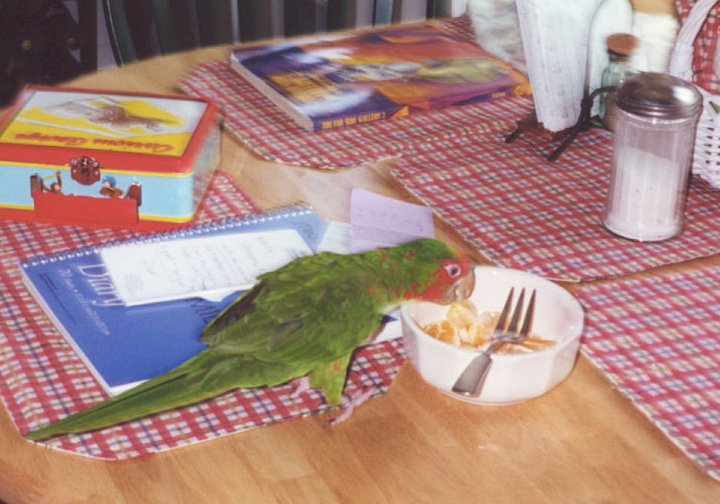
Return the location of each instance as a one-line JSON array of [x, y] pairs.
[[620, 47]]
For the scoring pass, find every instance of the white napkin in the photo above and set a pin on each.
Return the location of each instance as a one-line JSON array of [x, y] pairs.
[[556, 36]]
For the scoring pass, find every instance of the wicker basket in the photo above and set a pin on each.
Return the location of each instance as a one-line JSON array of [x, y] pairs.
[[706, 157]]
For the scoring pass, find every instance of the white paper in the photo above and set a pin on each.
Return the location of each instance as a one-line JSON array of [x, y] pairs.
[[559, 46], [337, 238], [210, 267]]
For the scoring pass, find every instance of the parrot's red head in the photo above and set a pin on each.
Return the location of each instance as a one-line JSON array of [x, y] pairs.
[[454, 282], [440, 273]]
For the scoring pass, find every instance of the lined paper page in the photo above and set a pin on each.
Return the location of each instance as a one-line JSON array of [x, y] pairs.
[[209, 267]]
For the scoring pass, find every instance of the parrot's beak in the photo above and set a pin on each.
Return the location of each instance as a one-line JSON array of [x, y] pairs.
[[464, 287], [458, 291]]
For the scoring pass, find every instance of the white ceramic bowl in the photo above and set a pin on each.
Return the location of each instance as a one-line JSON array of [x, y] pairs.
[[512, 377]]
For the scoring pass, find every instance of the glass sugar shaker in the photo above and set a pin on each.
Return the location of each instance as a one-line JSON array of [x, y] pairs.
[[656, 117], [619, 47]]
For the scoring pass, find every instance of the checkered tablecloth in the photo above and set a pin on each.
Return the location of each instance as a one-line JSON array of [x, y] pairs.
[[658, 340], [262, 127], [524, 212], [42, 379], [704, 47]]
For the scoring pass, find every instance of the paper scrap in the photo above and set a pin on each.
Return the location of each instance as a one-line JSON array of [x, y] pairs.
[[378, 221], [209, 267]]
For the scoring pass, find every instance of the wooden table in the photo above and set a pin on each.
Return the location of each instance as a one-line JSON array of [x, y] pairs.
[[582, 442]]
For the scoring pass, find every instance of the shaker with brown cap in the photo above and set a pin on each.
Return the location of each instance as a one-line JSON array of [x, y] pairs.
[[620, 46]]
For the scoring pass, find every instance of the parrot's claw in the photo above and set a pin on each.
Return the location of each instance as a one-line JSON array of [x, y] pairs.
[[349, 403]]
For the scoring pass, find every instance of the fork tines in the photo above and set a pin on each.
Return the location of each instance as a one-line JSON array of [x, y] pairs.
[[503, 328]]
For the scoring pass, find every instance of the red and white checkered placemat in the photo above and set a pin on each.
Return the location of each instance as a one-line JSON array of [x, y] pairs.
[[262, 127], [524, 212], [42, 379], [658, 340]]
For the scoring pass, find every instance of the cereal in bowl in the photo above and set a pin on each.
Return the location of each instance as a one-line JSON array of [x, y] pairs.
[[465, 327]]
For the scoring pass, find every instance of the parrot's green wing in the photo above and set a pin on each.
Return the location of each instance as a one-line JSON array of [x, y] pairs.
[[283, 285], [330, 378], [312, 313], [317, 308]]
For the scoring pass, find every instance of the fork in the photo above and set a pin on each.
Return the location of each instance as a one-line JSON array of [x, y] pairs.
[[472, 378]]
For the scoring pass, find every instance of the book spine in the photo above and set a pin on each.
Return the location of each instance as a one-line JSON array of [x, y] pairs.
[[351, 120], [59, 256]]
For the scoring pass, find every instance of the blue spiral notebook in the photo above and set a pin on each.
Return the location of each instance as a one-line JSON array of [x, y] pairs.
[[123, 345]]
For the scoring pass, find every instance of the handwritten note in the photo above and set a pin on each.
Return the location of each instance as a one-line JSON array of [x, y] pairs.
[[378, 221], [209, 267]]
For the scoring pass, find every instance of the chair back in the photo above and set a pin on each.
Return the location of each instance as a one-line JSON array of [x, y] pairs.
[[139, 29]]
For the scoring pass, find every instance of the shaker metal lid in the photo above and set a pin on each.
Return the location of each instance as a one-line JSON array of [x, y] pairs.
[[658, 95]]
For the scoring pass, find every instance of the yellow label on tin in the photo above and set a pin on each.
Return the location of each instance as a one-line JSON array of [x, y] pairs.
[[147, 125]]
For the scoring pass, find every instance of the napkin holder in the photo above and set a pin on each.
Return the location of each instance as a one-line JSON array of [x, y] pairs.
[[566, 136], [564, 50]]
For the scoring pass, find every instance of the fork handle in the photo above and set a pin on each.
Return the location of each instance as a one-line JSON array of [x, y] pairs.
[[472, 378]]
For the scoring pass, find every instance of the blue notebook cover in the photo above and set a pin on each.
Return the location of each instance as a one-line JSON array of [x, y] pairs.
[[123, 346]]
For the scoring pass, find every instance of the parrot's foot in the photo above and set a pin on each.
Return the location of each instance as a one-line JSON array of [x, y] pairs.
[[299, 385], [349, 403]]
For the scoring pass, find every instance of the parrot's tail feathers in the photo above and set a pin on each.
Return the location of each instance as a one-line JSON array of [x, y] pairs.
[[170, 390], [123, 408], [202, 377]]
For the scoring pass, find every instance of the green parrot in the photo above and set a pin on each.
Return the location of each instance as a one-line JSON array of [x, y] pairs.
[[302, 320]]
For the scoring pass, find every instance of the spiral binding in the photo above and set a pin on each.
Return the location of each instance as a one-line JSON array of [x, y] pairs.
[[200, 229]]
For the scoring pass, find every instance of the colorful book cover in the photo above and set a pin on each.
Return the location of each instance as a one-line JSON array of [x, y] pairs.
[[344, 80], [125, 345]]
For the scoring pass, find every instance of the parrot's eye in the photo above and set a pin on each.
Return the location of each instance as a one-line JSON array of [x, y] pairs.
[[453, 270]]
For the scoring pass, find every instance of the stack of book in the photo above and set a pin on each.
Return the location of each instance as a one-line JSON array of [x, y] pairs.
[[349, 79]]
